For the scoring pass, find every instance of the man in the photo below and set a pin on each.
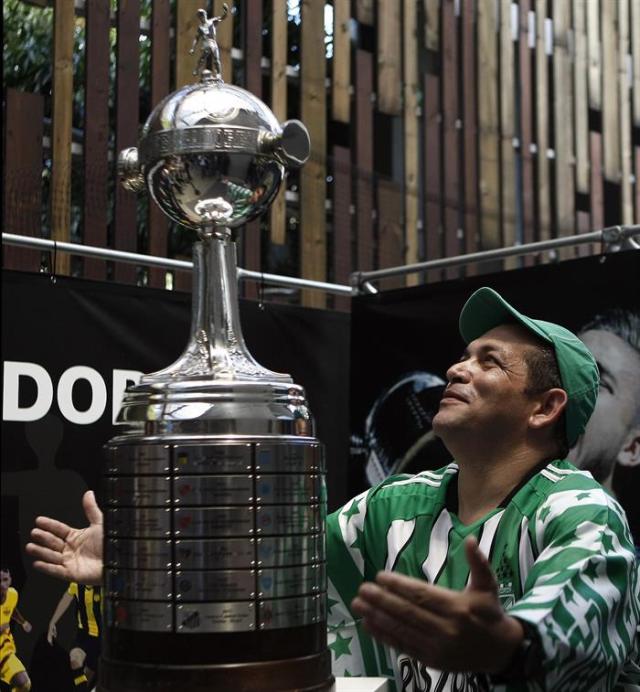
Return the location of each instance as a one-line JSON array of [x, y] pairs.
[[84, 654], [508, 568], [613, 434], [12, 671]]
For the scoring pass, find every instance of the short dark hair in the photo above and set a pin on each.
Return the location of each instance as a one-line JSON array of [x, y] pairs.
[[625, 324], [543, 375]]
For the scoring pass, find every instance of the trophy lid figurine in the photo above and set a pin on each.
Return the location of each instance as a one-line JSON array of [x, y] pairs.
[[214, 485]]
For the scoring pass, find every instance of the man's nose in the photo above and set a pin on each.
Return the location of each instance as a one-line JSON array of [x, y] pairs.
[[458, 372]]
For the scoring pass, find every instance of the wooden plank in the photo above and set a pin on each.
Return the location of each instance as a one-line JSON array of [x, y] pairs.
[[341, 222], [22, 179], [542, 125], [432, 172], [186, 28], [365, 11], [341, 81], [252, 17], [364, 160], [64, 23], [635, 60], [583, 223], [389, 58], [313, 176], [470, 132], [160, 86], [432, 23], [278, 212], [411, 148], [596, 181], [127, 120], [624, 95], [595, 55], [610, 97], [526, 128], [390, 232], [489, 127], [581, 98], [563, 121], [451, 134], [96, 166], [507, 132]]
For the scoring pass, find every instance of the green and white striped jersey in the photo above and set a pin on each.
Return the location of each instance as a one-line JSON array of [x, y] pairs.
[[560, 547]]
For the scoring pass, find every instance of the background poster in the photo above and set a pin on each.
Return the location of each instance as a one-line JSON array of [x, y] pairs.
[[403, 341], [114, 332]]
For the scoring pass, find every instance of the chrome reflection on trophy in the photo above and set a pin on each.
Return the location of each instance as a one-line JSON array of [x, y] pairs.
[[215, 498]]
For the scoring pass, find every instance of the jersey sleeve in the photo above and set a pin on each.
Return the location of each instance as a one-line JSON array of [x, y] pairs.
[[73, 589], [582, 593], [351, 559]]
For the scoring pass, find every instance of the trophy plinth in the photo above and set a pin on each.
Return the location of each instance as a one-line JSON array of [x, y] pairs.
[[215, 574]]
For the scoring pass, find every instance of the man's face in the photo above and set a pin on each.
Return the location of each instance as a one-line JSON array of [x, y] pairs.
[[617, 405], [486, 390], [5, 581]]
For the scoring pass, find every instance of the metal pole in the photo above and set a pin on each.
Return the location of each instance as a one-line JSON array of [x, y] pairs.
[[608, 236], [166, 262]]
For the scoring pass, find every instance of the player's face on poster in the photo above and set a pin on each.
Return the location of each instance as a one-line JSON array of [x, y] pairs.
[[487, 386], [614, 424], [5, 580]]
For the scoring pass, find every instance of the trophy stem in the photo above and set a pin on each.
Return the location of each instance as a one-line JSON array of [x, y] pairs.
[[216, 348]]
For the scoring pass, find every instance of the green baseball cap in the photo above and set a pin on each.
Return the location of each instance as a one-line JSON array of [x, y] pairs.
[[486, 309]]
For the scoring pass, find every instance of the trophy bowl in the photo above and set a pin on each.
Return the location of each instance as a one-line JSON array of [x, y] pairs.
[[213, 155]]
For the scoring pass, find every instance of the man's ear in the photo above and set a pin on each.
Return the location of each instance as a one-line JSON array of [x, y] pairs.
[[549, 407], [629, 454]]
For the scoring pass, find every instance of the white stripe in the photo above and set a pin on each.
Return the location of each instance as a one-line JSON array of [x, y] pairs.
[[489, 529], [438, 546], [398, 535], [547, 474], [525, 552]]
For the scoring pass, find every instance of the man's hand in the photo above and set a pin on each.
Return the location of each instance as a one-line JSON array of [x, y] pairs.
[[26, 626], [67, 553], [448, 630], [52, 633]]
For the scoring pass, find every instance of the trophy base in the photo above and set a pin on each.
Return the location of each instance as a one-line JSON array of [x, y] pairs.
[[303, 674]]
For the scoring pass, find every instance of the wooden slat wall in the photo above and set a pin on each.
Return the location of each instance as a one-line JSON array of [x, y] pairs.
[[160, 86], [507, 132], [563, 125], [60, 199], [341, 70], [389, 57], [470, 133], [542, 127], [489, 127], [510, 133], [313, 176], [127, 119], [278, 219], [22, 179], [342, 264], [411, 151], [364, 160], [526, 43], [96, 135], [451, 134], [253, 82]]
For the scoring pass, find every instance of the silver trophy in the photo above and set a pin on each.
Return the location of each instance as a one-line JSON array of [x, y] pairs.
[[215, 498]]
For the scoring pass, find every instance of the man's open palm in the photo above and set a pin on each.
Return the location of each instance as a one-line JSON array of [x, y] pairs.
[[67, 553]]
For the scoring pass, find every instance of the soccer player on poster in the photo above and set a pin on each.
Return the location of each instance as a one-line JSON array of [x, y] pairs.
[[12, 671], [508, 569], [85, 651]]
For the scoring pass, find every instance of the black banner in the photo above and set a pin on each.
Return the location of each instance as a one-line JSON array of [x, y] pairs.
[[403, 341], [70, 348]]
